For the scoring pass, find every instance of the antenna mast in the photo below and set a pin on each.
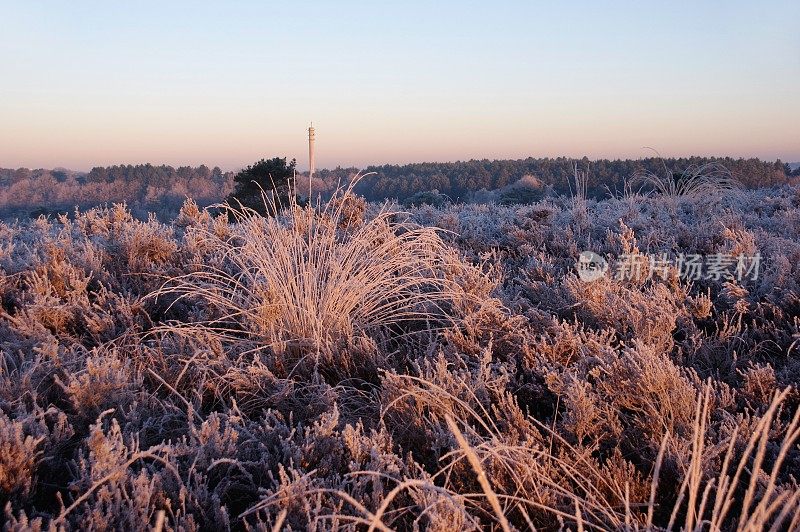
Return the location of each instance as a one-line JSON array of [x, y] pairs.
[[310, 157]]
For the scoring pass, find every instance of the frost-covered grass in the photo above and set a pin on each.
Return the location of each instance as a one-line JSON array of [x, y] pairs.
[[697, 180], [354, 367]]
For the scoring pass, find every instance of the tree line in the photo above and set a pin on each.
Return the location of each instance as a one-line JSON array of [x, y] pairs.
[[463, 180], [145, 188], [162, 189]]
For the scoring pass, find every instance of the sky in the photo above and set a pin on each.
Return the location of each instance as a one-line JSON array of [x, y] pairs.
[[87, 83]]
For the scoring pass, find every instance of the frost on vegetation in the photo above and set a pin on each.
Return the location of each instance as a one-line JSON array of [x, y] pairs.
[[353, 366]]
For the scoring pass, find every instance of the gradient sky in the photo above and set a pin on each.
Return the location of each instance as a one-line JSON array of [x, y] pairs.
[[224, 83]]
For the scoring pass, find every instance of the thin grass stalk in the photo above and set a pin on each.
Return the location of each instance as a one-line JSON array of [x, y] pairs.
[[491, 496]]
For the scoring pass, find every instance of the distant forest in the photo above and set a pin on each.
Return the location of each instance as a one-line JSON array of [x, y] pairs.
[[145, 188], [462, 180], [162, 189]]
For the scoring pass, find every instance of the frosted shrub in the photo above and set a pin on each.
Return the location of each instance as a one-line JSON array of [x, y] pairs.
[[19, 455], [191, 214]]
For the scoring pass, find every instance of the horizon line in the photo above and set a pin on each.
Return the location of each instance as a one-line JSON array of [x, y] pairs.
[[450, 161]]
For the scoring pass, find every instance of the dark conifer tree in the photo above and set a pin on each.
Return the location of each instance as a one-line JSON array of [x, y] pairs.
[[270, 176]]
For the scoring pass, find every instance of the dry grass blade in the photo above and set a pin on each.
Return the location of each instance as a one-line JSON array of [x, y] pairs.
[[279, 520], [475, 462], [159, 524], [654, 482]]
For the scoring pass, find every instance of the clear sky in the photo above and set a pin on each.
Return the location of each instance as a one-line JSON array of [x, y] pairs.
[[87, 83]]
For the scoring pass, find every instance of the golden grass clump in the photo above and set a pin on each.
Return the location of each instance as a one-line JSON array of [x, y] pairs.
[[314, 276]]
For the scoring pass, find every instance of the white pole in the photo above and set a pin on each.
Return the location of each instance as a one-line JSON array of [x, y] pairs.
[[310, 157]]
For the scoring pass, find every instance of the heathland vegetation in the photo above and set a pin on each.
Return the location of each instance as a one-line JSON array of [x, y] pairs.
[[353, 365]]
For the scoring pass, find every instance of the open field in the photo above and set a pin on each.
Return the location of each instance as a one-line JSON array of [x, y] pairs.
[[357, 367]]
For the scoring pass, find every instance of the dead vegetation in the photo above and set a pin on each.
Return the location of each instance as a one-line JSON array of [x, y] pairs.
[[352, 367]]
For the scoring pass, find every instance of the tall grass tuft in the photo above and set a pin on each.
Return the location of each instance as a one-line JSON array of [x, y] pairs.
[[581, 181], [316, 275], [696, 180]]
